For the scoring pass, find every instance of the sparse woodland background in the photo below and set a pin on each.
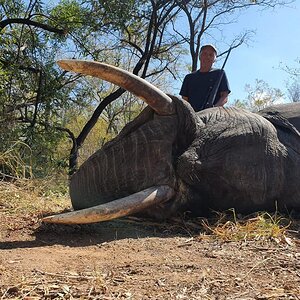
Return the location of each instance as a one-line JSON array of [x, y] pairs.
[[52, 120]]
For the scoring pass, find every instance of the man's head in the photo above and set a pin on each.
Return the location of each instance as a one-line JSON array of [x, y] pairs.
[[209, 46], [208, 55]]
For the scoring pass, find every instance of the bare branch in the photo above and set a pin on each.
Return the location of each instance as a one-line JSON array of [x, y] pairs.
[[29, 22]]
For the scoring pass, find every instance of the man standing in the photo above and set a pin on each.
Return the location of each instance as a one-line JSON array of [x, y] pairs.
[[197, 86]]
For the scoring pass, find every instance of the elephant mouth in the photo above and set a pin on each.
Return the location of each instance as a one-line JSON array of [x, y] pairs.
[[162, 104]]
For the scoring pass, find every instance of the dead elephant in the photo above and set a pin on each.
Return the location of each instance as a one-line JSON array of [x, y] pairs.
[[172, 159]]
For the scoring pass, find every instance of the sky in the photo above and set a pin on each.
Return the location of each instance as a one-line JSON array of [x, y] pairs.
[[276, 42]]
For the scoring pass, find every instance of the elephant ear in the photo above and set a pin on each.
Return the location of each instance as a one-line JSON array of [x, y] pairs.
[[160, 102], [115, 209], [284, 116]]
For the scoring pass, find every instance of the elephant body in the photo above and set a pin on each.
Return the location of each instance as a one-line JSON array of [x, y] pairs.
[[172, 159]]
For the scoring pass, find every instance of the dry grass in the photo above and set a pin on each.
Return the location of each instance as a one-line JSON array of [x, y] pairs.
[[31, 197], [262, 226]]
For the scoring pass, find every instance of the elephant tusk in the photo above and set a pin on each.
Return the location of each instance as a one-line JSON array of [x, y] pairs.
[[155, 98], [118, 208]]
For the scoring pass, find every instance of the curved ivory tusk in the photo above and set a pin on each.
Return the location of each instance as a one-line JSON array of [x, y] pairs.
[[117, 208], [154, 97]]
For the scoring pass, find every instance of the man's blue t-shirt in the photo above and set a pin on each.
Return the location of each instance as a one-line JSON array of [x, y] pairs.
[[198, 85]]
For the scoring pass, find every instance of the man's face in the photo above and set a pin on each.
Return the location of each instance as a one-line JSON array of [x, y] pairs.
[[207, 56]]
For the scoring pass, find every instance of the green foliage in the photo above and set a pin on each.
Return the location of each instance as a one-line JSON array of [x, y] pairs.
[[259, 96], [34, 97], [68, 14], [118, 12], [43, 143], [11, 8]]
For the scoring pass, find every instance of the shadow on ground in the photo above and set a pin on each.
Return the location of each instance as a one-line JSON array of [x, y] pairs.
[[92, 234]]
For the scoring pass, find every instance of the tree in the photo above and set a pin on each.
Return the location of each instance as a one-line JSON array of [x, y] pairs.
[[260, 96], [38, 95], [294, 91], [293, 85], [24, 94]]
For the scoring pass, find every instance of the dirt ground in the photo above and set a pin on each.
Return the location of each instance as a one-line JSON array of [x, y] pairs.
[[138, 259]]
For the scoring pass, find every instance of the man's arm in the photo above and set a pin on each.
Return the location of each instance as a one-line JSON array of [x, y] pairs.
[[185, 98], [223, 99]]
